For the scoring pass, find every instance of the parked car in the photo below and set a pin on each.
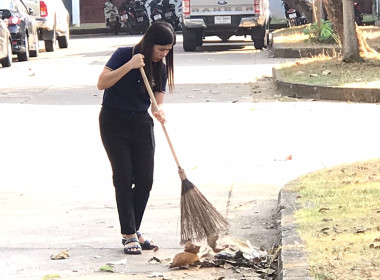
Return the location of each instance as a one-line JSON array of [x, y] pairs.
[[5, 45], [22, 26], [53, 21]]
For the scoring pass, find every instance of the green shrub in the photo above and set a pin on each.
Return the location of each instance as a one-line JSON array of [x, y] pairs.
[[323, 33]]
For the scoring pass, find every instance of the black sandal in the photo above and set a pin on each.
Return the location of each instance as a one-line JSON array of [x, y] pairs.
[[147, 245], [129, 249]]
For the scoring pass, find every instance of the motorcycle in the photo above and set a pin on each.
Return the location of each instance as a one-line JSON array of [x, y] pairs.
[[112, 17], [141, 16], [156, 10], [170, 15], [293, 16], [358, 14], [127, 17]]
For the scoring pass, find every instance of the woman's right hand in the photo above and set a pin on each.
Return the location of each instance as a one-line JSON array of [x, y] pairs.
[[137, 61]]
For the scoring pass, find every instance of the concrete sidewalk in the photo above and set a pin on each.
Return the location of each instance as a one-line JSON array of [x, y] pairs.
[[56, 192], [56, 189]]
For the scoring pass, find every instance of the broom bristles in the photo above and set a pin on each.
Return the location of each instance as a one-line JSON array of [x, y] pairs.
[[199, 218]]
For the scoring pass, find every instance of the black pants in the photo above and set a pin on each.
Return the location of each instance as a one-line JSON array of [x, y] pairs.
[[128, 139]]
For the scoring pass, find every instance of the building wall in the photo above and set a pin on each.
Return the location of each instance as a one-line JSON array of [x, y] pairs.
[[91, 11]]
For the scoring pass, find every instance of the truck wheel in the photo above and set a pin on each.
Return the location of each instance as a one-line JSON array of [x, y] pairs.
[[34, 53], [189, 40], [259, 37], [63, 41], [25, 55], [199, 39], [50, 44]]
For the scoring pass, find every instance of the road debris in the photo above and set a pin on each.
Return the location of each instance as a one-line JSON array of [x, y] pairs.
[[61, 255], [107, 268], [184, 259], [51, 277], [156, 275], [120, 262], [154, 260], [326, 72], [228, 253]]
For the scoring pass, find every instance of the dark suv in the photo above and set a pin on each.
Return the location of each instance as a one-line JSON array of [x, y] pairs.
[[22, 26]]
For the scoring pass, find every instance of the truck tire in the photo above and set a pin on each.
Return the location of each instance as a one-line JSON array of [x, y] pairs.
[[189, 40], [25, 55], [199, 39], [259, 37], [34, 53], [63, 41], [50, 44]]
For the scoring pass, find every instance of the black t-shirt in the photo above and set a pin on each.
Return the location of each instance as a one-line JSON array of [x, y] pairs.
[[129, 93]]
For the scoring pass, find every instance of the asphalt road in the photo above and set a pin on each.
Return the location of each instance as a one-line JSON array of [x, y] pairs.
[[218, 72], [230, 129]]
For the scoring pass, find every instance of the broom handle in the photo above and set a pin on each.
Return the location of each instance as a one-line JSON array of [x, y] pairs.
[[155, 109]]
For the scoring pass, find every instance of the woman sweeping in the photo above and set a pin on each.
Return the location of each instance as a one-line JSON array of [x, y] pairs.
[[126, 127]]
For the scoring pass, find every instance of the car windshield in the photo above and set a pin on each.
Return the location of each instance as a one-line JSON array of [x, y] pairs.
[[6, 4]]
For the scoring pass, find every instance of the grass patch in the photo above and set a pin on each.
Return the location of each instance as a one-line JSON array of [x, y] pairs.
[[340, 221], [331, 71], [325, 70]]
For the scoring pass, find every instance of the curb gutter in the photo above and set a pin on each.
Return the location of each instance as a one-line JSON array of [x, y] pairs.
[[293, 264]]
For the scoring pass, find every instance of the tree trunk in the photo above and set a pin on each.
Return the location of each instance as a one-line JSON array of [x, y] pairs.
[[350, 40], [334, 9], [303, 6]]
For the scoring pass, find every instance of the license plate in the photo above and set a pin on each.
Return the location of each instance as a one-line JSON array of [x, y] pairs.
[[168, 14], [157, 17], [140, 19], [222, 20], [293, 15]]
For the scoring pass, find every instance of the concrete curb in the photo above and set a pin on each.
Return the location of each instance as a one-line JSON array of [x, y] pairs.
[[86, 31], [303, 52], [293, 264]]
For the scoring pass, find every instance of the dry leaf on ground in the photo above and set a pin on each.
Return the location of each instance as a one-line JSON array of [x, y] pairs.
[[61, 255], [183, 259]]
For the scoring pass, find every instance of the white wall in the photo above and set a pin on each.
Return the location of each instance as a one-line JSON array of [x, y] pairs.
[[76, 13]]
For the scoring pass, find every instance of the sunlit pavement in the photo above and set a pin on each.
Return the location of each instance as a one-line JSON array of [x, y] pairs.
[[55, 179]]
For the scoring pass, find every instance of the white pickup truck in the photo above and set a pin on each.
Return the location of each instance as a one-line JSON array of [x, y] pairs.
[[53, 22], [224, 18]]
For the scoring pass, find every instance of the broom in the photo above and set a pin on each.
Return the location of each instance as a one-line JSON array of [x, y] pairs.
[[199, 218]]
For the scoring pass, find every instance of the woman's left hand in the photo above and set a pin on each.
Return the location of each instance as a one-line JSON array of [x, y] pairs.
[[160, 116]]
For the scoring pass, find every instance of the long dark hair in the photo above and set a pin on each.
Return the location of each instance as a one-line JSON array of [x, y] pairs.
[[159, 33]]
